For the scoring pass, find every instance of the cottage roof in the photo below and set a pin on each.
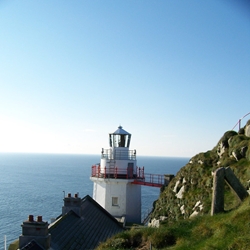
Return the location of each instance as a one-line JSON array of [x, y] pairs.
[[32, 245], [72, 231]]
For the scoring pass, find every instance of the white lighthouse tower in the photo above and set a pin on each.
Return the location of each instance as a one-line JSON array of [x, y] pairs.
[[114, 188]]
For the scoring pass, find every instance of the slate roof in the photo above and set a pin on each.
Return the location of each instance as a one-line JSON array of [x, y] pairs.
[[32, 245], [95, 225]]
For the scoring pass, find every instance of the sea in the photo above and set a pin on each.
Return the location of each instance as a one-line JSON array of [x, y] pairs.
[[35, 184]]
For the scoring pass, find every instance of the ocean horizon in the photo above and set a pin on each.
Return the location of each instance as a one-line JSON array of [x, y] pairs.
[[36, 183]]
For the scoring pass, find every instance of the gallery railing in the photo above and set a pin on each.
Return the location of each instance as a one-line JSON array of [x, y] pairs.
[[140, 178]]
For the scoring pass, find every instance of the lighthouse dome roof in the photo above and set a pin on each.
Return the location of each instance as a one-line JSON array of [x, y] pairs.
[[120, 131]]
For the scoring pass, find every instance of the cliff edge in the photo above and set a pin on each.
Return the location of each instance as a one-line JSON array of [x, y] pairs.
[[190, 191]]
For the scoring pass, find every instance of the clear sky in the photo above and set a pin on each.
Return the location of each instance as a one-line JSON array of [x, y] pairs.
[[175, 74]]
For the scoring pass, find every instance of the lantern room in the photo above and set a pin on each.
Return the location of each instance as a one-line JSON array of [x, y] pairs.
[[120, 138]]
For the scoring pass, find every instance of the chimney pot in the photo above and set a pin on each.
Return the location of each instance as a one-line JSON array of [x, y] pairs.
[[69, 195], [76, 195], [39, 218], [31, 218]]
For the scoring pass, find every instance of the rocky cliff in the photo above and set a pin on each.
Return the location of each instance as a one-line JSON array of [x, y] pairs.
[[190, 192]]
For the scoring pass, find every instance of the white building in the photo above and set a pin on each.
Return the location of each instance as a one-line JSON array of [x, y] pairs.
[[113, 179]]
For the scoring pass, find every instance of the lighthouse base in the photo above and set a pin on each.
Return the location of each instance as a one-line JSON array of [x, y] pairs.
[[119, 197]]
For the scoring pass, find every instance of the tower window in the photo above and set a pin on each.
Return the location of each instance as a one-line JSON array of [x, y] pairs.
[[114, 201]]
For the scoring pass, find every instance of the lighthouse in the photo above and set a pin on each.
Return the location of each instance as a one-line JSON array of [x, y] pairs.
[[114, 178]]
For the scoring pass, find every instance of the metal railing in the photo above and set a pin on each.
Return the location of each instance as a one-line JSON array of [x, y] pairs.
[[154, 179], [117, 154], [239, 122], [140, 178], [117, 173]]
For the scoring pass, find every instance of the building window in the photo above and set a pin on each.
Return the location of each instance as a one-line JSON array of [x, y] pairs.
[[114, 201]]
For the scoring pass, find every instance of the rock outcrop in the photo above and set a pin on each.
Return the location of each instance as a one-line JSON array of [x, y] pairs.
[[190, 191]]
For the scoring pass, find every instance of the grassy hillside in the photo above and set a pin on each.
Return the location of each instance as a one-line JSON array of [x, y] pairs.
[[228, 231], [190, 192], [183, 208]]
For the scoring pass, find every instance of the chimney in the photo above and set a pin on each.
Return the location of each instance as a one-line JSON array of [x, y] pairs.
[[35, 230], [72, 203]]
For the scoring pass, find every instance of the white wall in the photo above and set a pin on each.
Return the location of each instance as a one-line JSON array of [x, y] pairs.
[[129, 197]]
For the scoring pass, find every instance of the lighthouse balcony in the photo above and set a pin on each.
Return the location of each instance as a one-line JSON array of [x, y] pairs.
[[118, 154], [138, 176], [117, 173]]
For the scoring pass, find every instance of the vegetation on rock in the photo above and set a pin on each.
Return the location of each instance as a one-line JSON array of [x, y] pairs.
[[190, 192]]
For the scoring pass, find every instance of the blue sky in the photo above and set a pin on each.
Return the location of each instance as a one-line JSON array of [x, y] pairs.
[[175, 74]]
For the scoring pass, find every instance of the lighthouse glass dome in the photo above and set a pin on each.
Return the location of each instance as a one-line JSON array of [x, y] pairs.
[[120, 138]]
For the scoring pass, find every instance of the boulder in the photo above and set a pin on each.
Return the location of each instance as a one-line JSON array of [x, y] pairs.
[[247, 130]]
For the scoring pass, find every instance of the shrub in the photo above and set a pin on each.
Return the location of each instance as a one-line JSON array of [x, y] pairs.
[[162, 237]]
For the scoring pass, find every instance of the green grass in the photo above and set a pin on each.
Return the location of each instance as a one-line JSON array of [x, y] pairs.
[[226, 231]]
